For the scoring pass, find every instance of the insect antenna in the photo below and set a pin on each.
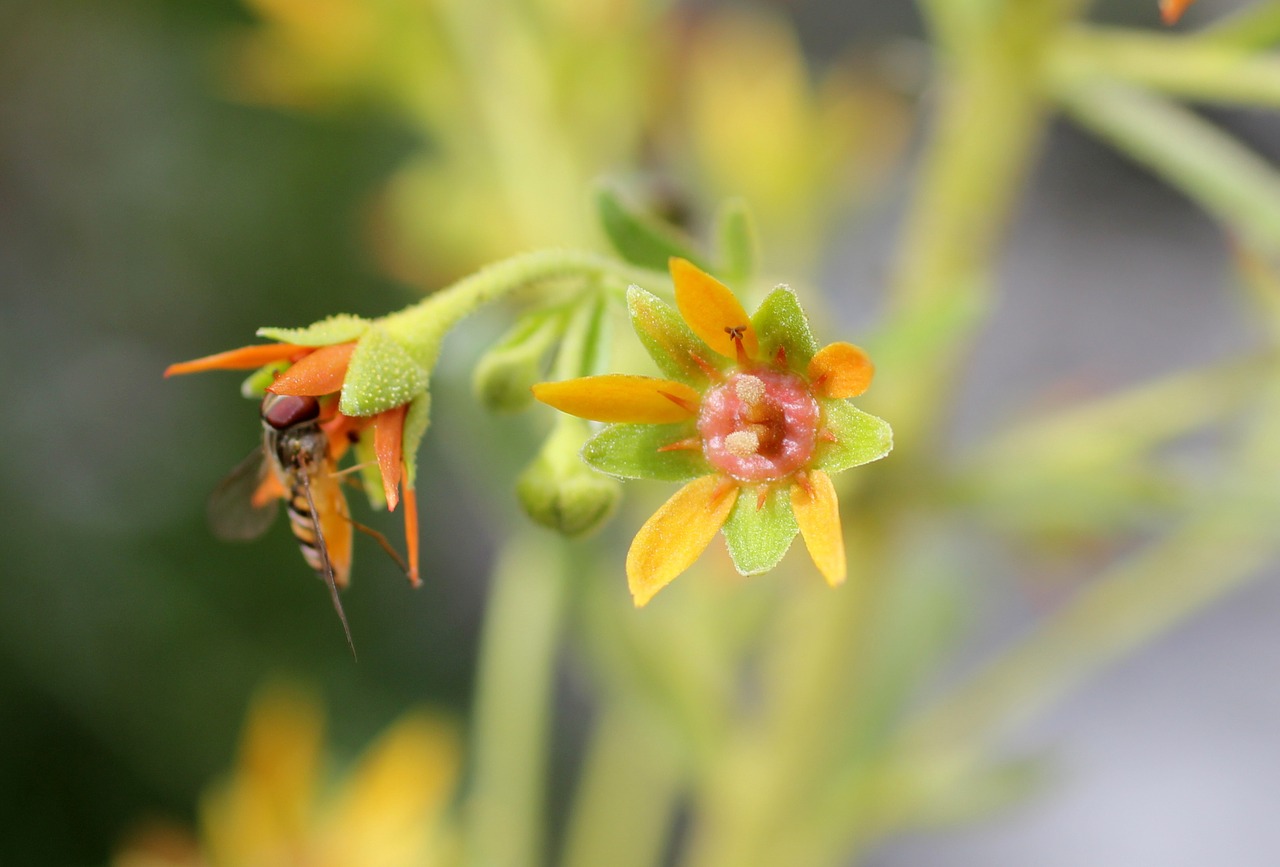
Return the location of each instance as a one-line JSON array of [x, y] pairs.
[[328, 566]]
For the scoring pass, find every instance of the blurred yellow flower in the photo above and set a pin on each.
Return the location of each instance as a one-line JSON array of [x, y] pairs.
[[276, 811]]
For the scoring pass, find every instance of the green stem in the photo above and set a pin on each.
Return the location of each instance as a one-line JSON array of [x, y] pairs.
[[990, 119], [1194, 68], [422, 327], [506, 811], [625, 801]]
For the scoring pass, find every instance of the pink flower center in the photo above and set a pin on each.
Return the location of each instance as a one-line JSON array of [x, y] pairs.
[[759, 426]]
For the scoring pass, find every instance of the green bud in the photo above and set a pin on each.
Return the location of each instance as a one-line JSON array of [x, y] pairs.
[[504, 375], [559, 491]]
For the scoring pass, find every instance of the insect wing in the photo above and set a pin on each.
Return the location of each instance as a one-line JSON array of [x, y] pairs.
[[233, 516]]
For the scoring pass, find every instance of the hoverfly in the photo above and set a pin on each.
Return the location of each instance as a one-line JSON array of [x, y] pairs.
[[295, 464]]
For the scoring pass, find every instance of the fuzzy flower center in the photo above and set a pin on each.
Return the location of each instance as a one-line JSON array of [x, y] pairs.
[[759, 426]]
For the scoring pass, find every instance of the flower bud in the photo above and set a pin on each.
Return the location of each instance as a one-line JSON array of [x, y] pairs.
[[558, 491], [505, 374]]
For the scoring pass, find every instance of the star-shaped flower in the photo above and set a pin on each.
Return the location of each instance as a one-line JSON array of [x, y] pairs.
[[754, 417]]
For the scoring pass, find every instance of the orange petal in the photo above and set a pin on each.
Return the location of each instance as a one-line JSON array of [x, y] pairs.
[[244, 358], [388, 438], [671, 540], [712, 310], [319, 373], [1171, 10], [841, 370], [818, 513], [341, 430], [617, 397], [411, 531]]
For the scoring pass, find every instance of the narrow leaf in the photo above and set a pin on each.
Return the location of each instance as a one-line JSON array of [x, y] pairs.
[[638, 237]]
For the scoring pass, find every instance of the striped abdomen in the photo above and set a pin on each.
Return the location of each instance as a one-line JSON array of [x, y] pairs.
[[331, 518]]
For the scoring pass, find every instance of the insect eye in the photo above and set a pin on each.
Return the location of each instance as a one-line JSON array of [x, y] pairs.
[[283, 411]]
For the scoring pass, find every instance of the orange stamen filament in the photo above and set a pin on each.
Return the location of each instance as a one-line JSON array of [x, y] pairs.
[[712, 372], [762, 497], [690, 444], [680, 402]]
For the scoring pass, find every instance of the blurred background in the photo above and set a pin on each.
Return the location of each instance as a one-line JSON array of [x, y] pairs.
[[175, 174]]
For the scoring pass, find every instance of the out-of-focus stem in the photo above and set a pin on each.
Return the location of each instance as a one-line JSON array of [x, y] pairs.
[[990, 118], [625, 801], [506, 814]]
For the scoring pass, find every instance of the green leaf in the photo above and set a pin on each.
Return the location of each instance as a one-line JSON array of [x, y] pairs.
[[382, 375], [638, 237], [630, 451], [668, 340], [782, 322], [860, 437], [342, 328], [416, 421], [504, 375], [758, 538], [737, 241]]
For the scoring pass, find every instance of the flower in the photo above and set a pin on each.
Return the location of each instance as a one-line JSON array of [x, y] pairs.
[[365, 379], [754, 418], [388, 811]]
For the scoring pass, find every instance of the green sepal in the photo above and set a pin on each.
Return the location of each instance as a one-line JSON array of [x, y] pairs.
[[860, 437], [255, 386], [630, 451], [342, 328], [416, 421], [737, 241], [504, 375], [758, 538], [781, 322], [638, 237], [668, 340], [382, 375], [558, 492], [370, 474]]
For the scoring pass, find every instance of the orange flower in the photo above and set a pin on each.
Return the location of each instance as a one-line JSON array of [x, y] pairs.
[[321, 371], [752, 406]]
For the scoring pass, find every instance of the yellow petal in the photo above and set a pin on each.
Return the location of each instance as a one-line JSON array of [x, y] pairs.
[[818, 513], [617, 397], [841, 370], [394, 795], [712, 310], [671, 540]]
